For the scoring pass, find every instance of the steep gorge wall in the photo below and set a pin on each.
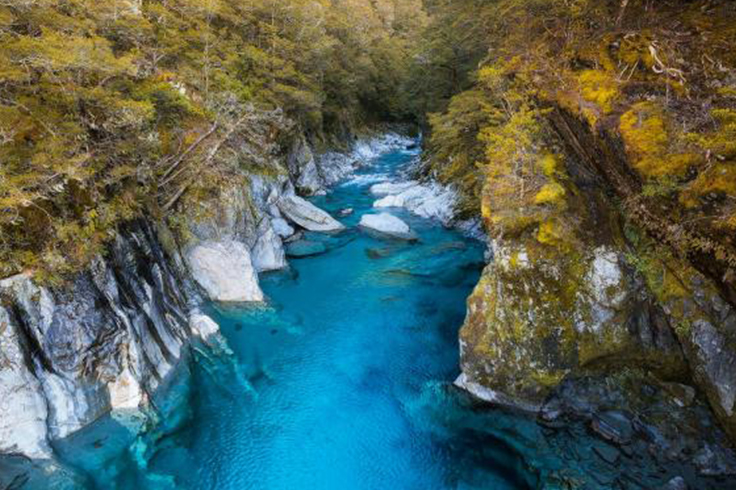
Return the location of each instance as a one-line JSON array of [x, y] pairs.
[[581, 331], [109, 338]]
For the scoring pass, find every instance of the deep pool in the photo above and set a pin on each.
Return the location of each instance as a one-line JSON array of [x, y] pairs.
[[342, 381]]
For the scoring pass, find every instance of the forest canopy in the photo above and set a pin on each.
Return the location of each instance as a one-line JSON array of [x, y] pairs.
[[111, 107]]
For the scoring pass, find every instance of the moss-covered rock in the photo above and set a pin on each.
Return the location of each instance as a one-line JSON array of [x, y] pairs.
[[537, 316]]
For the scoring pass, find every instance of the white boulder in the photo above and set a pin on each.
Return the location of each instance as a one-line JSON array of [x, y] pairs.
[[387, 224], [224, 270], [386, 188], [307, 215], [428, 201], [282, 228]]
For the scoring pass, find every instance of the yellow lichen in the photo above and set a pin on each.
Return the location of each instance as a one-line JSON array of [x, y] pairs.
[[649, 140], [552, 193], [599, 87]]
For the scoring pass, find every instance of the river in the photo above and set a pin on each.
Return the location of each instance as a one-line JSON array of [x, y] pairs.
[[342, 380]]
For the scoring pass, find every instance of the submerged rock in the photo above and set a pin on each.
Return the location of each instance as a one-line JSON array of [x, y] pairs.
[[307, 215], [387, 224], [225, 272], [305, 248]]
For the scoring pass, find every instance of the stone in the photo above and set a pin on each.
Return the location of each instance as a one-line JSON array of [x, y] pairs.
[[224, 270], [613, 426], [307, 215], [715, 460], [203, 326], [716, 366], [125, 391], [386, 224], [23, 409], [268, 252], [607, 453], [388, 188], [676, 483], [303, 168], [431, 201], [281, 227]]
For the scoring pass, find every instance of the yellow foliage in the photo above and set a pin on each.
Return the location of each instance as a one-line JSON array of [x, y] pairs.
[[552, 193], [599, 87], [649, 141], [550, 233]]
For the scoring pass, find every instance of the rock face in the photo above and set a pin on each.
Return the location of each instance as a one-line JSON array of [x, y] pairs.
[[307, 215], [303, 168], [268, 252], [387, 224], [225, 272], [23, 410], [532, 320], [574, 289], [102, 344]]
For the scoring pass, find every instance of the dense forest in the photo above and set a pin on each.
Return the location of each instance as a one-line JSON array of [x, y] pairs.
[[110, 109], [113, 108]]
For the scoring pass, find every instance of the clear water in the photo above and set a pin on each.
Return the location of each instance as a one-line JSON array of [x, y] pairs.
[[343, 381], [340, 382]]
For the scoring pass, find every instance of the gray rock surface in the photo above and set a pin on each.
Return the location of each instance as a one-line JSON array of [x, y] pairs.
[[307, 215], [102, 343], [268, 252], [23, 411]]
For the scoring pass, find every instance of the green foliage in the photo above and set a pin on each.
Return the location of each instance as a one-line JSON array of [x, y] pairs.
[[115, 107]]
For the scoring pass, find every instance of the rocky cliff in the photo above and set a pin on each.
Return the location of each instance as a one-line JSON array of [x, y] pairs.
[[574, 324]]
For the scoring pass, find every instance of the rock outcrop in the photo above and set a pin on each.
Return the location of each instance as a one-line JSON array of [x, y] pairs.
[[103, 343], [532, 320]]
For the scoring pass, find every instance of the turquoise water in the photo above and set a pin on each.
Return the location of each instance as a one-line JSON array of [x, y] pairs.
[[340, 382], [343, 381]]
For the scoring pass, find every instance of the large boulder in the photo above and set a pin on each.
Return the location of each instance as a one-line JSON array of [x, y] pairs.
[[225, 271], [386, 224], [535, 318], [307, 215]]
